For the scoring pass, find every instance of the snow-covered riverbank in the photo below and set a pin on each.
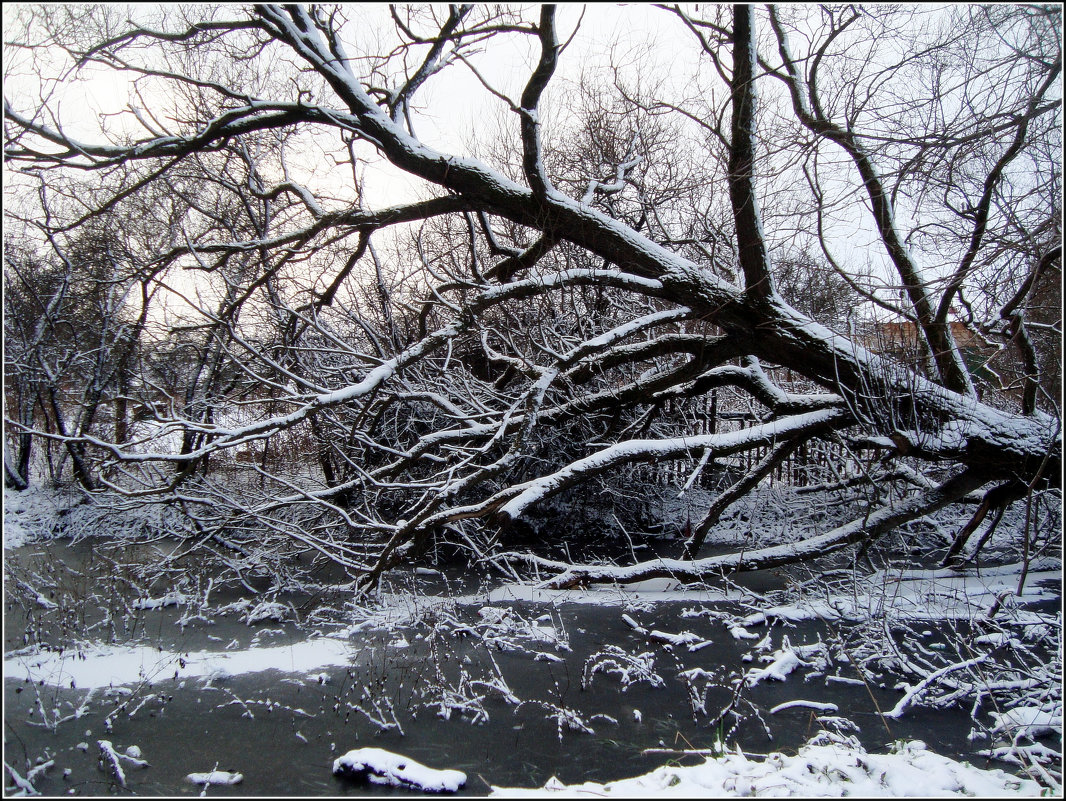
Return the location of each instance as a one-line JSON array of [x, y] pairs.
[[827, 766]]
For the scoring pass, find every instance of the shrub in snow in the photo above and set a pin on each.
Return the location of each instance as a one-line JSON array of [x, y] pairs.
[[566, 719], [268, 610], [378, 766], [506, 629], [31, 515], [109, 762], [629, 668]]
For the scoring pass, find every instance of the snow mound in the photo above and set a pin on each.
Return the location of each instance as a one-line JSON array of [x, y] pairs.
[[379, 766], [828, 766]]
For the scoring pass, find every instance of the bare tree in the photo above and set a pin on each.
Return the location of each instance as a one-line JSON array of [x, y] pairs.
[[566, 310], [73, 324]]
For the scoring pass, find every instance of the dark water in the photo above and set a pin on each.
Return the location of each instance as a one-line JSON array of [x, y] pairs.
[[283, 731]]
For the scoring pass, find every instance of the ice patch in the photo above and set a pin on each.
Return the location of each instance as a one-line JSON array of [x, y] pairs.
[[106, 666]]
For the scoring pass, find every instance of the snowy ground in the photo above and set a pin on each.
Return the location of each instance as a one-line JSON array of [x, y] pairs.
[[828, 766]]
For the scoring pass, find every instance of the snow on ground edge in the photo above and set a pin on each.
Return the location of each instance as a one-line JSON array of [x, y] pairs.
[[827, 766]]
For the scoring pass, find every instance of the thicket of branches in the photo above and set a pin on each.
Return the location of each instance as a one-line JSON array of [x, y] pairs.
[[831, 230]]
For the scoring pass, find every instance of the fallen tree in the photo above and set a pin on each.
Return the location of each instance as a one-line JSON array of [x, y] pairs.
[[556, 315]]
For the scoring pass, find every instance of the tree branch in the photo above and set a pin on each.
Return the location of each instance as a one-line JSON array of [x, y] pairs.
[[754, 259]]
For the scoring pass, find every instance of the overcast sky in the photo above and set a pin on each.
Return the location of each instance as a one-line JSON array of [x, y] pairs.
[[452, 110]]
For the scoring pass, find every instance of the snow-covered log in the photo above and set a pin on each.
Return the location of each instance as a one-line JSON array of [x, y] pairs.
[[224, 778], [378, 766]]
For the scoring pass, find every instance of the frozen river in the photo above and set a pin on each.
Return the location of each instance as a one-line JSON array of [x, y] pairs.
[[510, 685]]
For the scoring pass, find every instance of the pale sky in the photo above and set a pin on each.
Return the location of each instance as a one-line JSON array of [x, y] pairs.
[[452, 108]]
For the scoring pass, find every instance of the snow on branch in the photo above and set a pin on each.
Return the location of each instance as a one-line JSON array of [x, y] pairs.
[[523, 496], [913, 693], [858, 530]]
